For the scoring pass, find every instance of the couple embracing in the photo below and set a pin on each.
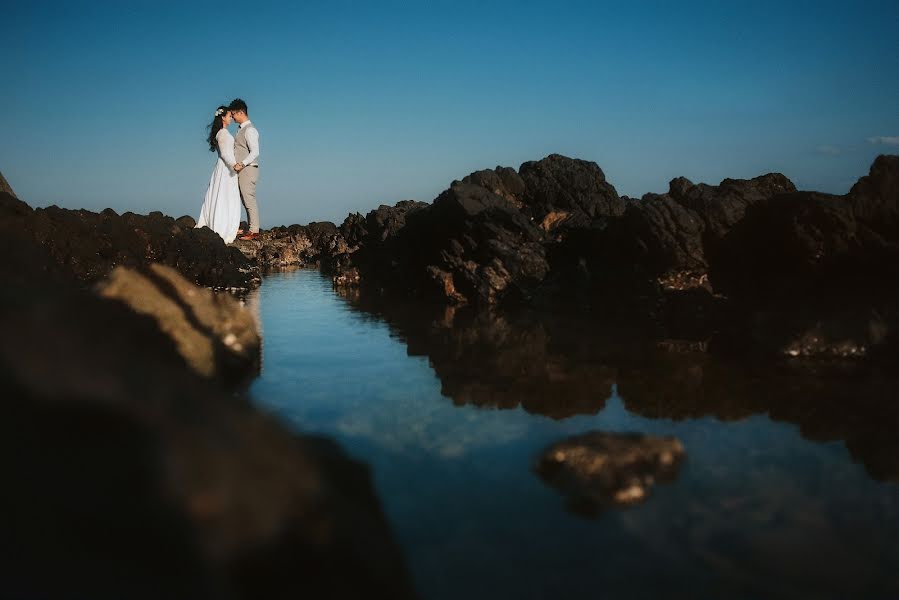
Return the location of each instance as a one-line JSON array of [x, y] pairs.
[[235, 174]]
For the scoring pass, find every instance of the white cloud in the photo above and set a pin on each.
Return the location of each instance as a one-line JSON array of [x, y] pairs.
[[887, 140]]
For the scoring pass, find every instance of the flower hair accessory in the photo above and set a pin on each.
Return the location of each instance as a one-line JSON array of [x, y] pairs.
[[219, 112]]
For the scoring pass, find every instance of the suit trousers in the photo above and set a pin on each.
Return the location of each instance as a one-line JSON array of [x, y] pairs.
[[246, 180]]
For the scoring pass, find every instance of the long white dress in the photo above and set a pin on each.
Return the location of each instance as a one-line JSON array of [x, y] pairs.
[[221, 207]]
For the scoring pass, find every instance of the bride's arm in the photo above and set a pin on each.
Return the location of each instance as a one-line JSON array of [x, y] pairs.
[[226, 147]]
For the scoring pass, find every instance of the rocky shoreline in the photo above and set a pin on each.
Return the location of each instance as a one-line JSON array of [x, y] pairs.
[[134, 465], [750, 267], [125, 371]]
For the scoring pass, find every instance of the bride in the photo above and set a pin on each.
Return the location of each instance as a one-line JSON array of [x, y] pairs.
[[221, 207]]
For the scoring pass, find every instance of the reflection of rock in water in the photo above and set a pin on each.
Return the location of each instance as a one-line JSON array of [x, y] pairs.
[[563, 366], [251, 302], [501, 361], [598, 469], [856, 406]]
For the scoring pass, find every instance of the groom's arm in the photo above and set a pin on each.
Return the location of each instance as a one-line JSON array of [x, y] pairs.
[[252, 145]]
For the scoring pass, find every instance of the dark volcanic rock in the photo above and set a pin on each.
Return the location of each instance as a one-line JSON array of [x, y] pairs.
[[482, 240], [667, 238], [91, 244], [5, 188], [810, 274], [486, 249], [128, 476], [807, 239], [598, 469], [561, 183], [731, 263], [556, 231], [721, 206], [353, 229], [386, 221], [502, 181], [875, 197], [470, 246], [186, 221]]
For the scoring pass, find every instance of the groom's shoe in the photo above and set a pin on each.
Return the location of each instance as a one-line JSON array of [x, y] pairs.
[[249, 236]]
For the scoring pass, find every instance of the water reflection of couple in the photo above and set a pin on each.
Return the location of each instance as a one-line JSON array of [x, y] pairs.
[[235, 174]]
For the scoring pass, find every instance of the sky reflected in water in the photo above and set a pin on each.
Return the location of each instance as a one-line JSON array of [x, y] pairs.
[[757, 511]]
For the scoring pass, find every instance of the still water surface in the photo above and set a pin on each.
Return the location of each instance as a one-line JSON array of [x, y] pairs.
[[450, 418]]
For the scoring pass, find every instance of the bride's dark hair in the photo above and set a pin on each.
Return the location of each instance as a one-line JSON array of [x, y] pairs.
[[216, 126]]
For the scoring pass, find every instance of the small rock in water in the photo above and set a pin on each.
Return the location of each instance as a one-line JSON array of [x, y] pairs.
[[598, 469]]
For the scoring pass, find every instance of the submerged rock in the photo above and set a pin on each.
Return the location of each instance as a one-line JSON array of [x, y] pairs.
[[596, 470]]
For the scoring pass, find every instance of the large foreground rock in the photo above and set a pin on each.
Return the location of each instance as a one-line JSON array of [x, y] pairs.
[[126, 475], [598, 469], [91, 245], [213, 333]]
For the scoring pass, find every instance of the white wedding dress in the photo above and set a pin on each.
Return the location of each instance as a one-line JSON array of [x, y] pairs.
[[221, 207]]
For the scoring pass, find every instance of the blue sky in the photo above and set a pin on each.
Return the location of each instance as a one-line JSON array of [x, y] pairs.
[[364, 103]]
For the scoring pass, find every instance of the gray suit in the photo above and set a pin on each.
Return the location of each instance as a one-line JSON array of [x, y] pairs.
[[247, 178]]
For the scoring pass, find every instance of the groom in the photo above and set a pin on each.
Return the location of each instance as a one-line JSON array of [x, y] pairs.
[[246, 152]]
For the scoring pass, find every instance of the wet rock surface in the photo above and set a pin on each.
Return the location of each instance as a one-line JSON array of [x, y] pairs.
[[127, 475], [598, 470], [90, 245], [296, 245]]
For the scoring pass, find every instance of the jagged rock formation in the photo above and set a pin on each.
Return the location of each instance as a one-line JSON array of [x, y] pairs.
[[554, 229], [91, 244], [482, 241], [749, 265], [810, 274]]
